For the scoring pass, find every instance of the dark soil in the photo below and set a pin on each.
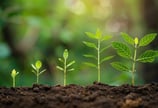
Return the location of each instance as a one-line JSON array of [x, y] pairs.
[[74, 96]]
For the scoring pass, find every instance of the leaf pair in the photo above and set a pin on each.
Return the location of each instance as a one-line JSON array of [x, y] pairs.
[[98, 36], [36, 69], [124, 51], [64, 61], [144, 41], [14, 73]]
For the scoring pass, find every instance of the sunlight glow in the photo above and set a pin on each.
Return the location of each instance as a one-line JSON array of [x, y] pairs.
[[75, 6]]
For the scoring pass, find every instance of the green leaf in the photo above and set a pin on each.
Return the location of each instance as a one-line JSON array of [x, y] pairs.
[[71, 69], [106, 58], [127, 38], [119, 66], [148, 56], [90, 56], [65, 54], [147, 39], [42, 71], [61, 60], [60, 68], [105, 38], [89, 44], [103, 49], [71, 63], [98, 34], [91, 35], [33, 67], [122, 49], [90, 64]]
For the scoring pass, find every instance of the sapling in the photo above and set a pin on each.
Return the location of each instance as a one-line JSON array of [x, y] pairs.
[[99, 50], [124, 51], [13, 75], [36, 70], [66, 66]]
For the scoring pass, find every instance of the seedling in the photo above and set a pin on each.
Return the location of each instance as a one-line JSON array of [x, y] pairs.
[[99, 38], [13, 75], [66, 66], [36, 70], [124, 51]]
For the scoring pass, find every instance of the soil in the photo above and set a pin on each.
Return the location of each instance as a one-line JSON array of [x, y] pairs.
[[97, 95]]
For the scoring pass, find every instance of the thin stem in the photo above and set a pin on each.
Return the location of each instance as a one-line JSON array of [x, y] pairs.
[[98, 60], [65, 72], [37, 78], [134, 64], [13, 81]]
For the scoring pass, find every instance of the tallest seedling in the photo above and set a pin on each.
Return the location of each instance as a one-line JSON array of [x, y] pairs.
[[124, 51], [99, 38]]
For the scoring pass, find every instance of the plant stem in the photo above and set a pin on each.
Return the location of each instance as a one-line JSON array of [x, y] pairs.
[[65, 72], [37, 78], [134, 64], [13, 81], [98, 60]]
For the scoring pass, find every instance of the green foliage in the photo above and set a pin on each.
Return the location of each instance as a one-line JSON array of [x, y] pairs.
[[89, 44], [36, 70], [147, 39], [66, 66], [127, 38], [100, 38], [120, 66], [147, 56], [13, 75], [124, 51]]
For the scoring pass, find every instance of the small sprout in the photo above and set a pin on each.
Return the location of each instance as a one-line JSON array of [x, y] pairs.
[[124, 51], [13, 75], [136, 41], [99, 50], [36, 70], [66, 65], [38, 64]]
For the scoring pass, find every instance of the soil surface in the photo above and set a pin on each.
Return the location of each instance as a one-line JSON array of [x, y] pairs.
[[97, 95]]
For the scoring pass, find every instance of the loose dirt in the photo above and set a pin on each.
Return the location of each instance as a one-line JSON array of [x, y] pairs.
[[97, 95]]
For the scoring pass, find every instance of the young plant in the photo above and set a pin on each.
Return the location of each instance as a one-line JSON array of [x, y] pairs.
[[66, 66], [36, 70], [124, 51], [97, 47], [13, 75]]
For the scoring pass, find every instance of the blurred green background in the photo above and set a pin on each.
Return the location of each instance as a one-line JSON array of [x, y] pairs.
[[33, 30]]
